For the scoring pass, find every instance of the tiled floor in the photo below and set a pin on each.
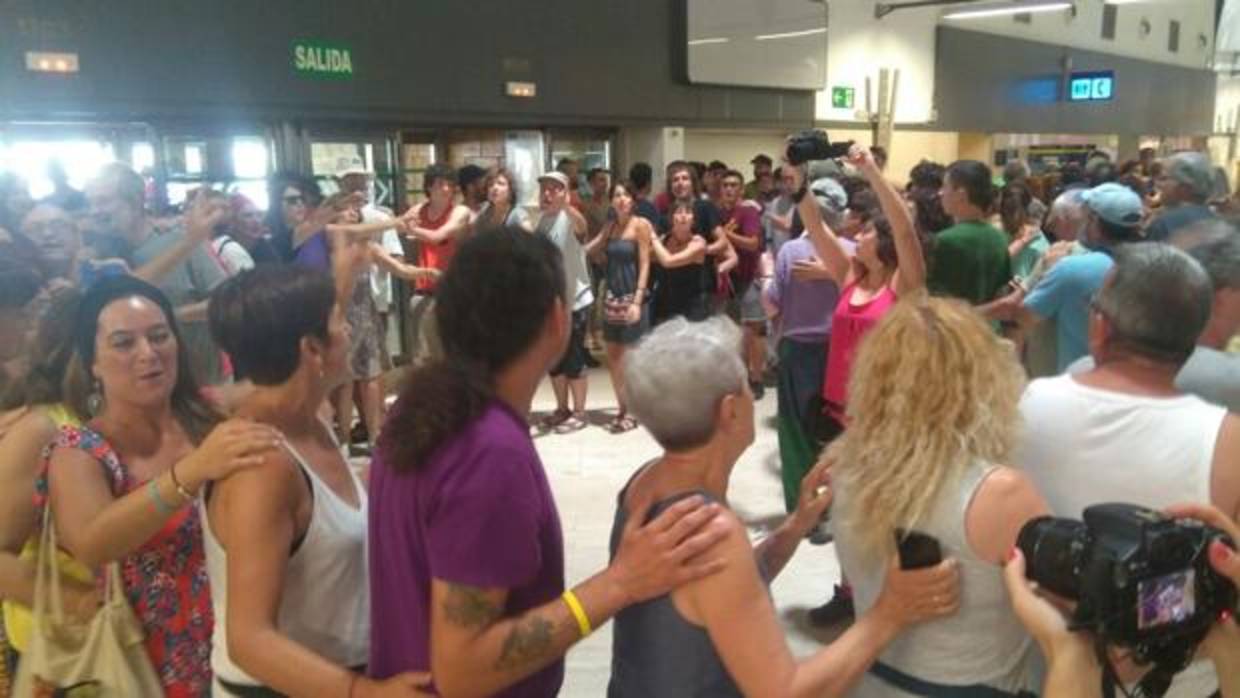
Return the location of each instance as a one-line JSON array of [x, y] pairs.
[[587, 470]]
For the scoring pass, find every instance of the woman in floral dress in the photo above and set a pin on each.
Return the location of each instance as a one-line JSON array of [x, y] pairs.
[[120, 485]]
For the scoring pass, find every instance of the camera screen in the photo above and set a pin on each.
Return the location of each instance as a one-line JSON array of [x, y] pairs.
[[1167, 599]]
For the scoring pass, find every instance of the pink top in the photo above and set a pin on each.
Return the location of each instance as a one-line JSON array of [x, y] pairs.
[[849, 325]]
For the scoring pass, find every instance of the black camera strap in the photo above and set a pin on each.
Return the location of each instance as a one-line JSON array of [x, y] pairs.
[[1153, 685]]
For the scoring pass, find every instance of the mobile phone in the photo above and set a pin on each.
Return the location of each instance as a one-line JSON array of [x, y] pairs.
[[917, 550]]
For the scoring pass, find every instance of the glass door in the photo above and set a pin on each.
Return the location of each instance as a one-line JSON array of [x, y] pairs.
[[32, 151], [331, 154]]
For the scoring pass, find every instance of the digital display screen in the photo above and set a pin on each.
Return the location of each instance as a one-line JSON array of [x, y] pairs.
[[1166, 600], [1091, 87]]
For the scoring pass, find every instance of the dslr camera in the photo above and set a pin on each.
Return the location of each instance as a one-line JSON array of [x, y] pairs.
[[814, 145], [1141, 581]]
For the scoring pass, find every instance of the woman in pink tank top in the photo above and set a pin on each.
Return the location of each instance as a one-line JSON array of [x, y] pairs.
[[888, 265]]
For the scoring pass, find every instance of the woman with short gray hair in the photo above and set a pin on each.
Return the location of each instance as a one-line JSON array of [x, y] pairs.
[[719, 636]]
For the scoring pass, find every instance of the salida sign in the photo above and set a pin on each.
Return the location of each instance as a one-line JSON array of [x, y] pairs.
[[320, 59]]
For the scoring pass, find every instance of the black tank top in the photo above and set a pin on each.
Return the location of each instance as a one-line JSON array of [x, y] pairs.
[[656, 653]]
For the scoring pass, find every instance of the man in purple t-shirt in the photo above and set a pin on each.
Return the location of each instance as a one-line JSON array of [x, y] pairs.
[[465, 544], [742, 221]]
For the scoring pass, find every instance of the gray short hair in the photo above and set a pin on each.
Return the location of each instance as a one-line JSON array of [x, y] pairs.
[[1215, 244], [1157, 300], [676, 377]]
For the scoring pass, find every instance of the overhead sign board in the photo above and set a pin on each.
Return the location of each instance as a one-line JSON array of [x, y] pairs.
[[1091, 87], [320, 59]]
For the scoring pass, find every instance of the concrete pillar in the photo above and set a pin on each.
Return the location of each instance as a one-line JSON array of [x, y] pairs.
[[654, 145], [1129, 147]]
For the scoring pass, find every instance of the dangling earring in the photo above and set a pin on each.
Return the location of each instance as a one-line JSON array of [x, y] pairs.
[[94, 401]]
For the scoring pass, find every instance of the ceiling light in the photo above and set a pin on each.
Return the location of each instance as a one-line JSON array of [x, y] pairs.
[[789, 35], [999, 9], [1121, 2], [712, 40]]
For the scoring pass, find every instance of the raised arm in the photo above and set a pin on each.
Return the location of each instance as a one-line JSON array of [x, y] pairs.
[[395, 267], [266, 499], [323, 215], [203, 216], [740, 618], [476, 651], [96, 527], [828, 247], [693, 253], [911, 275], [458, 224]]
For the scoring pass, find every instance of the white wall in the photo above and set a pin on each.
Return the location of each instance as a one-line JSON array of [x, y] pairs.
[[736, 148], [1084, 31], [859, 45], [655, 146]]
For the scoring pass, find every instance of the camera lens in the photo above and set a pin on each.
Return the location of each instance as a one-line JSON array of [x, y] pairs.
[[1052, 548]]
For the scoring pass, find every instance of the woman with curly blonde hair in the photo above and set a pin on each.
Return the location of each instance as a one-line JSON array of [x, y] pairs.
[[932, 415]]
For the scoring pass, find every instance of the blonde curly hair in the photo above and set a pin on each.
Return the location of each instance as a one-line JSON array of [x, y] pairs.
[[932, 391]]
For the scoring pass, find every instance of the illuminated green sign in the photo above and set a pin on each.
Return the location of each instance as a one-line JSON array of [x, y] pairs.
[[319, 59], [842, 97]]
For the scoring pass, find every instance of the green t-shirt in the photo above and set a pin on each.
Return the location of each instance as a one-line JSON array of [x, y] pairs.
[[970, 262]]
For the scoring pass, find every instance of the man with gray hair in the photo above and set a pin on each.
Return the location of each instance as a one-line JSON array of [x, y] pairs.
[[177, 256], [1210, 373], [1113, 215], [1184, 187], [1124, 431]]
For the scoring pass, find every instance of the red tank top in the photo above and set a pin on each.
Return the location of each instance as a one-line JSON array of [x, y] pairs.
[[849, 325], [431, 255]]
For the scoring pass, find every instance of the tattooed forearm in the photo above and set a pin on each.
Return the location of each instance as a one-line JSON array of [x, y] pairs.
[[529, 642], [469, 607]]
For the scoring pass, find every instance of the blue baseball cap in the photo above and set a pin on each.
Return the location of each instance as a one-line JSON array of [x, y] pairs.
[[1115, 204]]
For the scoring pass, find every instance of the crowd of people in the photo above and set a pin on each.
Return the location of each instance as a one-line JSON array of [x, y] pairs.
[[955, 355]]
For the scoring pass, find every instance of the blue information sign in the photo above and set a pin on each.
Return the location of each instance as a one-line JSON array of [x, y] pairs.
[[1091, 87]]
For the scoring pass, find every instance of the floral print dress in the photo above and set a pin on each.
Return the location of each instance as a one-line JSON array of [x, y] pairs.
[[165, 579]]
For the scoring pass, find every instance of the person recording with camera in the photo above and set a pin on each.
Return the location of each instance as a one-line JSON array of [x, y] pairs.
[[1123, 431], [1074, 669]]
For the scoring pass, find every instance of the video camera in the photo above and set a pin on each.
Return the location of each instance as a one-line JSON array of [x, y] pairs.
[[1141, 581], [814, 145]]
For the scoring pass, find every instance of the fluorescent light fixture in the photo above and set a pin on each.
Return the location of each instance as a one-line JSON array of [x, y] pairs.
[[1000, 9], [45, 62], [711, 40], [789, 35], [1121, 2], [524, 90]]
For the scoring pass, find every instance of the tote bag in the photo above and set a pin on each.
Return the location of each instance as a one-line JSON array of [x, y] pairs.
[[102, 658]]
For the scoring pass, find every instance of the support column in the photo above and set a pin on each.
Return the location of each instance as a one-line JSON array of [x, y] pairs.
[[654, 145]]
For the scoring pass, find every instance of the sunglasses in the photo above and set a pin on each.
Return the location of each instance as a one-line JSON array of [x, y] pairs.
[[294, 200]]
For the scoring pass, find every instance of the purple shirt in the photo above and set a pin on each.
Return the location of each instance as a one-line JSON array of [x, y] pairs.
[[315, 252], [748, 224], [805, 307], [478, 512]]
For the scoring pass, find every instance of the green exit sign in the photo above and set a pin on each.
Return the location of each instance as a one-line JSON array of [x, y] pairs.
[[842, 97], [320, 59]]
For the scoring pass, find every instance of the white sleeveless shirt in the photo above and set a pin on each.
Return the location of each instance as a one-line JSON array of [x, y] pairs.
[[325, 603], [983, 643], [1083, 446]]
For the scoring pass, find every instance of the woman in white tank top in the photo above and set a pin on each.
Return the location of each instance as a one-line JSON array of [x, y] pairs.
[[286, 538], [932, 411]]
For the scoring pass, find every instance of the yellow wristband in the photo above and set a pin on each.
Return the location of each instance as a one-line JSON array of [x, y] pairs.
[[574, 605]]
